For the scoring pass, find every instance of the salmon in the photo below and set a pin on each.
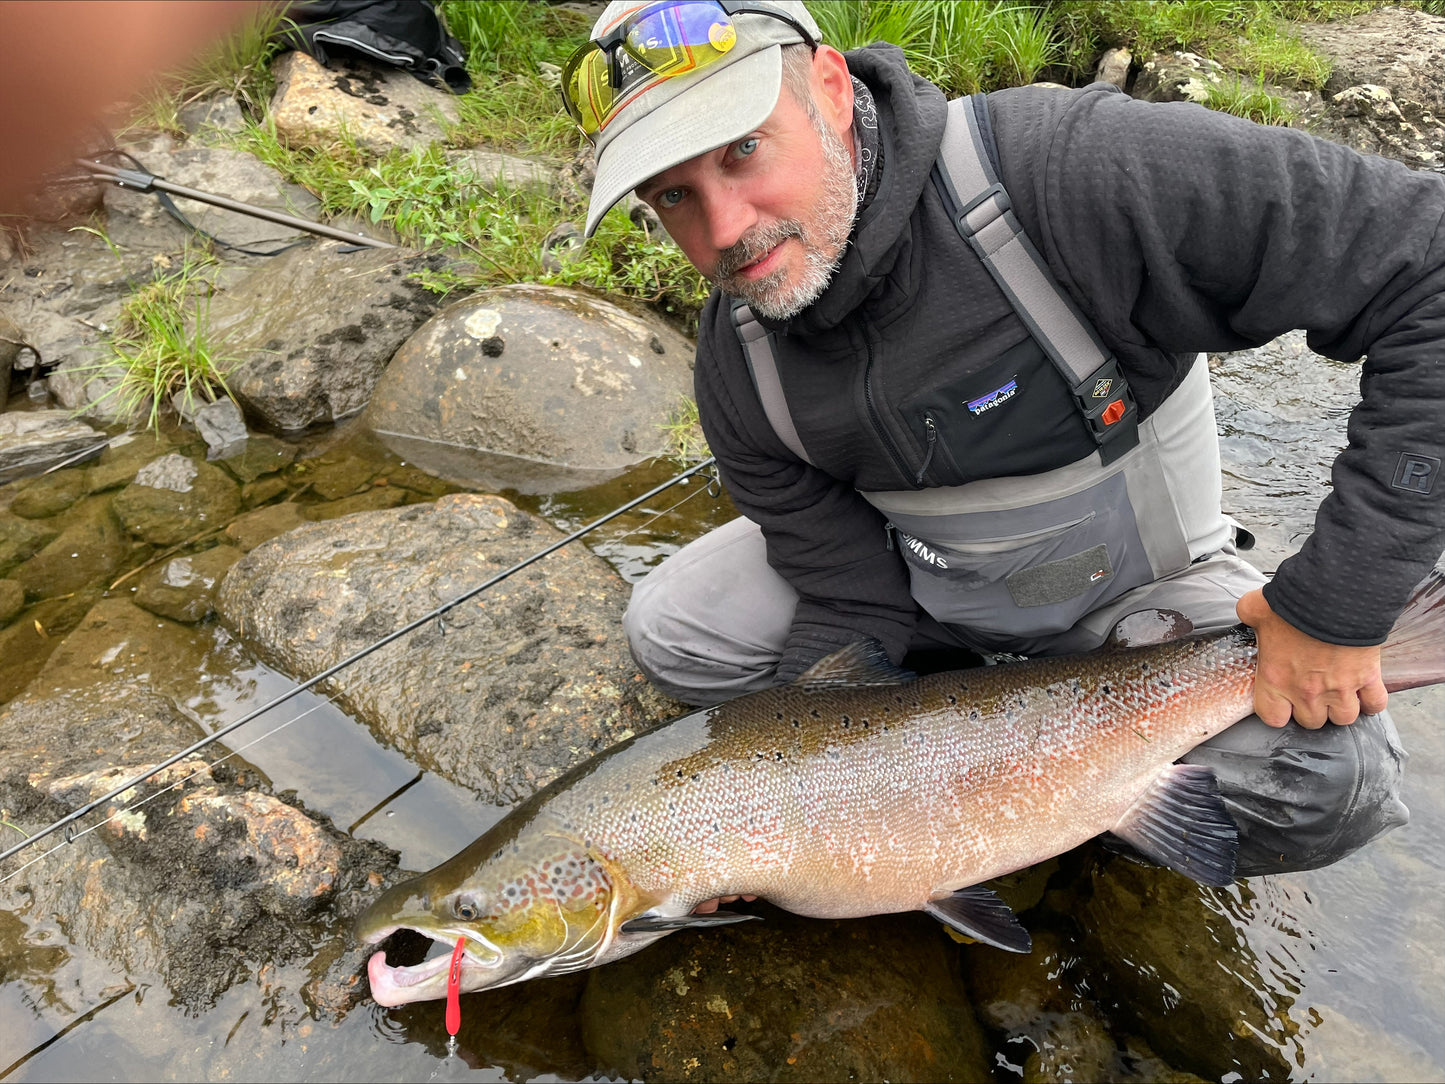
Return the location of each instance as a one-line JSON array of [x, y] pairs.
[[859, 790]]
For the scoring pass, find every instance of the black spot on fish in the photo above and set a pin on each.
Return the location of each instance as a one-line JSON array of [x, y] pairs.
[[952, 699], [778, 756], [780, 715], [696, 776], [814, 713], [679, 773], [729, 1043], [973, 714]]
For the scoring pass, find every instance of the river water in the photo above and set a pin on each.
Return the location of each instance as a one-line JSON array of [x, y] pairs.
[[1346, 960]]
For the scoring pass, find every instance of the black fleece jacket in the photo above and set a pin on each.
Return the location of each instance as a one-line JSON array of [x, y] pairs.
[[1176, 230]]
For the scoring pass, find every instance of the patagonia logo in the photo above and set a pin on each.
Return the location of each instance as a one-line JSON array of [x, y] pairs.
[[1102, 386], [923, 551], [1416, 473], [997, 397]]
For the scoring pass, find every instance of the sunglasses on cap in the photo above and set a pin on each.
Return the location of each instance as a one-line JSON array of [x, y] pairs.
[[653, 43]]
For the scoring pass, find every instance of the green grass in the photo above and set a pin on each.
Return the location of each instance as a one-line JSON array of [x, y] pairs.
[[162, 347], [683, 430], [1253, 101], [239, 65]]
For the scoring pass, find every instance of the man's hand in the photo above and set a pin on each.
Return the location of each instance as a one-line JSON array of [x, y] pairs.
[[1313, 680]]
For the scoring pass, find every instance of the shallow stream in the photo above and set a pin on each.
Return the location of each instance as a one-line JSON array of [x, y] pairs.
[[1347, 961]]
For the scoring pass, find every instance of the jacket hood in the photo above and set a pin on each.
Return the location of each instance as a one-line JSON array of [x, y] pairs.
[[911, 116]]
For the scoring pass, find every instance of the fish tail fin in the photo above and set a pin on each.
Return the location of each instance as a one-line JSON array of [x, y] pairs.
[[1414, 653]]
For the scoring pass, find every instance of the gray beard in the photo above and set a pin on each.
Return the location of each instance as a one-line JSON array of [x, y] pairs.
[[823, 245]]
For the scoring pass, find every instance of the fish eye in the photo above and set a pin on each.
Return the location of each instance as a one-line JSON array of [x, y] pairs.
[[467, 909]]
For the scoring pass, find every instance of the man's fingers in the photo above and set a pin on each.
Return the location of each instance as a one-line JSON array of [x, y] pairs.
[[1270, 706]]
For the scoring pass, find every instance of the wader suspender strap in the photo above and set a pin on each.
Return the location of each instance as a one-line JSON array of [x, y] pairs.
[[987, 222], [763, 364], [984, 217]]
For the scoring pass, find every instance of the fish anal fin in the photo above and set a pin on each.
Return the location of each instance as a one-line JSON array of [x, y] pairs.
[[668, 923], [977, 913], [1148, 628], [861, 663], [1181, 822]]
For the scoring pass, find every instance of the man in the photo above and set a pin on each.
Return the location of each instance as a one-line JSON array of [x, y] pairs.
[[911, 467]]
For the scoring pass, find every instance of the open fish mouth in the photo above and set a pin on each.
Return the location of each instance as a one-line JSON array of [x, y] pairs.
[[402, 984]]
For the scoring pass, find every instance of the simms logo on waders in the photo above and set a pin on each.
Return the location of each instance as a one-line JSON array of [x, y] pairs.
[[1416, 473]]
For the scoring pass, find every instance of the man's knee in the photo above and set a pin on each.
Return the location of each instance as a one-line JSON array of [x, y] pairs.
[[1306, 798]]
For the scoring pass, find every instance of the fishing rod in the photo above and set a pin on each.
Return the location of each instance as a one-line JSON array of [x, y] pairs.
[[69, 819]]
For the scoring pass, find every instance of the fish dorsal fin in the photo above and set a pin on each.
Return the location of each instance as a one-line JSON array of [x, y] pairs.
[[861, 663], [666, 924], [1145, 628], [1181, 822], [976, 912]]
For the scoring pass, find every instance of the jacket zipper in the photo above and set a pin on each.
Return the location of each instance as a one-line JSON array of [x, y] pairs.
[[932, 441], [899, 463]]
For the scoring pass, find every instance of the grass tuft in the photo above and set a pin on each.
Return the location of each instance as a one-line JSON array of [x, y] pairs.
[[162, 348]]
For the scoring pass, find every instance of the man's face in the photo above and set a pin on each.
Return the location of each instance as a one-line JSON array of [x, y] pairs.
[[767, 217]]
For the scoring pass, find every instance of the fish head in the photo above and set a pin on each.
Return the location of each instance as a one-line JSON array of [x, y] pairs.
[[527, 903]]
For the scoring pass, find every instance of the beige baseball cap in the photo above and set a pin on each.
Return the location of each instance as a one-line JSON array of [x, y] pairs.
[[674, 119]]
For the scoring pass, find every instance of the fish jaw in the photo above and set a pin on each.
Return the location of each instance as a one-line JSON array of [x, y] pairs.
[[481, 968]]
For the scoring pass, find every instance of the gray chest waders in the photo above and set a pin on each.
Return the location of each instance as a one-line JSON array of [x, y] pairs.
[[1007, 562]]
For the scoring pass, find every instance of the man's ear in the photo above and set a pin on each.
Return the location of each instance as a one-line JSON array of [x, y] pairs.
[[832, 87]]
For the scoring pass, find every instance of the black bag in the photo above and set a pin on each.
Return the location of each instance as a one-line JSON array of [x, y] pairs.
[[404, 33]]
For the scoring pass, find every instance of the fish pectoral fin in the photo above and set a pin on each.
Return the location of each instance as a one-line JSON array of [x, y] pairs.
[[861, 663], [664, 924], [1181, 822], [976, 912], [1146, 628]]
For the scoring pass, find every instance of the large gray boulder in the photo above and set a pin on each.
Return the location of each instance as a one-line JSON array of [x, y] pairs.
[[313, 328], [34, 441], [508, 690], [533, 388]]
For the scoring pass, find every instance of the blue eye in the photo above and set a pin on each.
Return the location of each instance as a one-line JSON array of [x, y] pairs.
[[668, 197], [745, 147]]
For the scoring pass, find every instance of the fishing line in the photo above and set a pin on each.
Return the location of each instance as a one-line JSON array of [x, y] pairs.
[[71, 835], [331, 671]]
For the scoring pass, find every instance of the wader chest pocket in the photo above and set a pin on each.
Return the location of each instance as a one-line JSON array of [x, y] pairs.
[[1004, 576]]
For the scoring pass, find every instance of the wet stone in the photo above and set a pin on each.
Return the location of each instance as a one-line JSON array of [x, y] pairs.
[[262, 455], [175, 498], [184, 588], [12, 601], [28, 643], [334, 479], [32, 441], [523, 681], [86, 553], [1170, 964], [20, 539], [785, 999], [249, 530], [122, 459], [263, 491], [417, 481], [532, 388], [370, 501], [49, 495]]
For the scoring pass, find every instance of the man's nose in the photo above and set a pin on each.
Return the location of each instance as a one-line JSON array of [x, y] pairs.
[[728, 218]]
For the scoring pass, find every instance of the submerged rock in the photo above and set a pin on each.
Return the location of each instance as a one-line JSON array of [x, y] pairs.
[[86, 553], [785, 999], [1164, 956], [533, 388], [175, 498], [500, 696], [184, 588]]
